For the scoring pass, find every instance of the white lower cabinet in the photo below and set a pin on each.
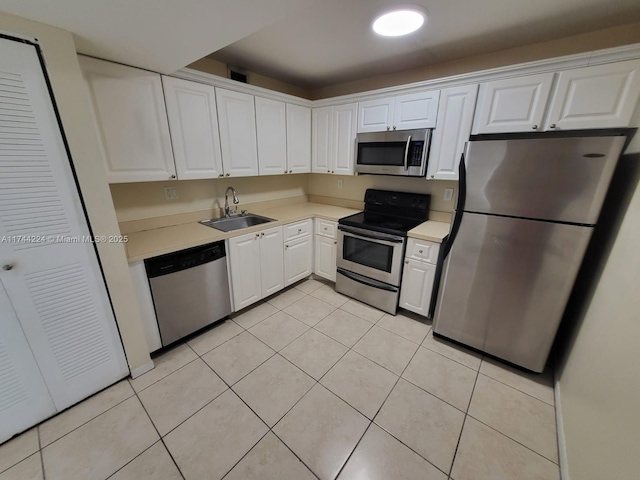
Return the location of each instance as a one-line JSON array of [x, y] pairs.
[[298, 260], [256, 261], [326, 249], [418, 276], [298, 251]]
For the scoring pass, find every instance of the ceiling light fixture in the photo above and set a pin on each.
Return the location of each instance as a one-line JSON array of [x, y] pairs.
[[400, 21]]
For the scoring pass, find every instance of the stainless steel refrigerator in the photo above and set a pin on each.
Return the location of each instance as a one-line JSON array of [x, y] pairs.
[[525, 213]]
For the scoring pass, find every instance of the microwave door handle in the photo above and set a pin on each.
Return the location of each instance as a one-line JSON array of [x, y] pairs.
[[406, 154]]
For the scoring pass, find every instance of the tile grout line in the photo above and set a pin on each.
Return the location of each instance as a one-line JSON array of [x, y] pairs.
[[138, 455], [161, 438], [511, 386], [464, 420], [44, 475], [385, 401]]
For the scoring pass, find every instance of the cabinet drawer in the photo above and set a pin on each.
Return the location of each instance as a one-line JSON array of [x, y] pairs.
[[423, 250], [297, 230], [326, 228]]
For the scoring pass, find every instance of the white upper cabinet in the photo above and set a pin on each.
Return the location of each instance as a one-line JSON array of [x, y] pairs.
[[602, 96], [333, 137], [404, 112], [375, 115], [455, 115], [237, 123], [321, 135], [271, 127], [191, 108], [298, 139], [344, 138], [131, 117], [512, 105], [415, 110]]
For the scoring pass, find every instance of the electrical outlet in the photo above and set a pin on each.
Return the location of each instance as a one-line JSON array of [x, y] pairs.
[[448, 194], [340, 184], [170, 193]]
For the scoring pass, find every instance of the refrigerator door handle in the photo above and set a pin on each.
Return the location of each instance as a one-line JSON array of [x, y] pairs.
[[457, 218]]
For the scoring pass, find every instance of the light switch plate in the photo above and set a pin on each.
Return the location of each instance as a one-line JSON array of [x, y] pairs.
[[170, 193], [340, 183], [448, 194]]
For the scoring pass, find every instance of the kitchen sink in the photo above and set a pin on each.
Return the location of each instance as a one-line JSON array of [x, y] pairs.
[[236, 222]]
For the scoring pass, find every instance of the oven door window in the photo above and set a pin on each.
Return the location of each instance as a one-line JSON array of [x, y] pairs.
[[381, 153], [369, 253]]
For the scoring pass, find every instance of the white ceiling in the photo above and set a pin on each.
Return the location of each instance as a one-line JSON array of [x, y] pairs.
[[331, 41], [311, 43], [159, 35]]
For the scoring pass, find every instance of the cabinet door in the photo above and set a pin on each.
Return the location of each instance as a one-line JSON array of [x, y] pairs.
[[271, 261], [56, 286], [415, 110], [193, 119], [321, 138], [512, 105], [603, 96], [417, 285], [375, 115], [344, 138], [298, 139], [244, 258], [455, 115], [271, 127], [131, 117], [326, 250], [24, 399], [237, 124], [298, 259]]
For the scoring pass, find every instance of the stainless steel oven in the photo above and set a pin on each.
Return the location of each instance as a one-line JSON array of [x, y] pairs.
[[371, 254], [402, 153]]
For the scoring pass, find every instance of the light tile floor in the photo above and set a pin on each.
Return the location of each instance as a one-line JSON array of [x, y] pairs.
[[308, 384]]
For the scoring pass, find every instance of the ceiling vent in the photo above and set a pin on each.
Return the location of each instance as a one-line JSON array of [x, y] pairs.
[[238, 74]]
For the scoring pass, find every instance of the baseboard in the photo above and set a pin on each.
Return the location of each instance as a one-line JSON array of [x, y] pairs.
[[142, 369], [562, 446]]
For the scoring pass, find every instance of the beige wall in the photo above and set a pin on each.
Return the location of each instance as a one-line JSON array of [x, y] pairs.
[[606, 38], [69, 90], [599, 383], [137, 201], [353, 188], [214, 67]]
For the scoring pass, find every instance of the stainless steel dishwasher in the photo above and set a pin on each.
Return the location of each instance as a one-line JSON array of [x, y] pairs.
[[190, 290]]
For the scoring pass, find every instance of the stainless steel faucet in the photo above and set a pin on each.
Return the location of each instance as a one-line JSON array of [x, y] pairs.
[[227, 209]]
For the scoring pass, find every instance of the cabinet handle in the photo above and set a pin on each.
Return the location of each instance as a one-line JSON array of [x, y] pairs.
[[433, 176], [286, 246], [535, 127], [262, 234], [221, 175], [285, 171], [419, 251], [290, 171], [553, 125], [7, 267], [299, 230], [257, 235], [407, 262], [388, 128], [325, 228], [335, 242], [394, 128], [328, 171], [332, 171], [173, 176], [227, 175]]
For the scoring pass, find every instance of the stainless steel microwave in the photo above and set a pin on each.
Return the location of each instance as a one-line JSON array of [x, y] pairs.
[[402, 152]]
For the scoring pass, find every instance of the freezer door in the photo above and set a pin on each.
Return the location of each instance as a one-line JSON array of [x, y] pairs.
[[558, 179], [506, 282]]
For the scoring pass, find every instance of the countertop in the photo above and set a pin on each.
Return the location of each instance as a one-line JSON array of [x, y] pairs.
[[158, 241]]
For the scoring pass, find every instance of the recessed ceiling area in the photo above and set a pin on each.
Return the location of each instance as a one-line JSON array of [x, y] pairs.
[[332, 41]]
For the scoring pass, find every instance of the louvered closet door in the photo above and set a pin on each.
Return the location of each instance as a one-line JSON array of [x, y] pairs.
[[56, 287]]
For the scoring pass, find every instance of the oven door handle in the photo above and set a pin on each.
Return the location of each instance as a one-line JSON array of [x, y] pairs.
[[370, 235], [370, 283], [406, 154]]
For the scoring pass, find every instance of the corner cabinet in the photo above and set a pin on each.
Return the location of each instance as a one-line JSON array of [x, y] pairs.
[[237, 123], [333, 139], [256, 262], [193, 119], [404, 112], [418, 275], [131, 118], [455, 116]]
